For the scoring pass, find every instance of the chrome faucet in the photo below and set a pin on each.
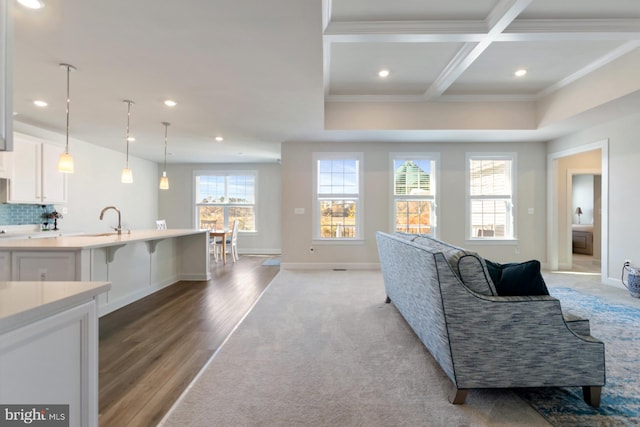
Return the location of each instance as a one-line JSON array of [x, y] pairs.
[[119, 228]]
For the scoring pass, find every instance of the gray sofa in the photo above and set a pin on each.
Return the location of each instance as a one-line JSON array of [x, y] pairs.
[[479, 339]]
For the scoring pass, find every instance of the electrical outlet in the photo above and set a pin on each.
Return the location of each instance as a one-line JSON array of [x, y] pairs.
[[517, 250]]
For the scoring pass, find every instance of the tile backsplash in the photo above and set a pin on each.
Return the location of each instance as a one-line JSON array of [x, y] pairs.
[[19, 214]]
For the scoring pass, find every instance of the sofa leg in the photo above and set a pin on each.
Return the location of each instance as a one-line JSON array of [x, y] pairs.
[[591, 395], [458, 395]]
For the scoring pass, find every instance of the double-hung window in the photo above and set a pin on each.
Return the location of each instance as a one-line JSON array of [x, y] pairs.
[[224, 196], [490, 179], [414, 193], [338, 196]]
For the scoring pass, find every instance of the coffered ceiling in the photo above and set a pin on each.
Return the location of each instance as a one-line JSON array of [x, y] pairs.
[[259, 73]]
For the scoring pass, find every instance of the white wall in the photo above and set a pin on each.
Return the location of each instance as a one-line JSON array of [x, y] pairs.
[[624, 175], [96, 184], [177, 205], [297, 192]]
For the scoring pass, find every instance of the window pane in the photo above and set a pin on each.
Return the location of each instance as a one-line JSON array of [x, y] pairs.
[[412, 177], [337, 219], [246, 215], [210, 189], [241, 189], [489, 218], [210, 217], [413, 216], [490, 177], [338, 176]]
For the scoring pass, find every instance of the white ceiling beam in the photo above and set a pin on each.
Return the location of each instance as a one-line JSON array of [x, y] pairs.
[[498, 20], [571, 29], [405, 31], [470, 31]]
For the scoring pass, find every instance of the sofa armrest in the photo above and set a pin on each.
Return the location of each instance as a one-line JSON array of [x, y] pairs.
[[515, 341]]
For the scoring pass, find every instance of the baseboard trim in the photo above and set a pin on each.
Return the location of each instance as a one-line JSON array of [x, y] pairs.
[[330, 266]]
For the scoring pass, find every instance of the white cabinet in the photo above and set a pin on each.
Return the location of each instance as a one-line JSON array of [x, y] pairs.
[[5, 266], [44, 266], [34, 177], [49, 348], [6, 81]]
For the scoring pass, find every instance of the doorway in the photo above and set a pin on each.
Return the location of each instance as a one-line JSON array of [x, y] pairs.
[[591, 159], [585, 202]]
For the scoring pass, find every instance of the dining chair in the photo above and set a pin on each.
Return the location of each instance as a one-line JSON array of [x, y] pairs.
[[232, 243]]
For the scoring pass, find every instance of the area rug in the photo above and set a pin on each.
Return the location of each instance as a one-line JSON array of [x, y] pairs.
[[321, 348], [272, 262], [618, 326]]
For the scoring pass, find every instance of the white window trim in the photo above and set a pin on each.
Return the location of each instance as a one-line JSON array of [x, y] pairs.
[[315, 233], [514, 185], [435, 157], [194, 202]]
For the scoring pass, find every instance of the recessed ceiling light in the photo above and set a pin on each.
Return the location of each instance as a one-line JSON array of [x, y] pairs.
[[521, 72], [219, 138], [131, 139], [170, 103], [383, 74], [32, 4], [40, 103]]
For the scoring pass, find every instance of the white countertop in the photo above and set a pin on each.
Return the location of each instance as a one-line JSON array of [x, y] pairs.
[[25, 302], [91, 240]]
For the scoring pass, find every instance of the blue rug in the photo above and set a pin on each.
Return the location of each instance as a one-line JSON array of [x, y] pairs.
[[618, 327], [273, 262]]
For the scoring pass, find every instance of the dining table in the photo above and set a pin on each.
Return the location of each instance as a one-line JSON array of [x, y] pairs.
[[223, 235]]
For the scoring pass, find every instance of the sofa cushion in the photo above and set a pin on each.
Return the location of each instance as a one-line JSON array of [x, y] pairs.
[[517, 279], [467, 265], [475, 275]]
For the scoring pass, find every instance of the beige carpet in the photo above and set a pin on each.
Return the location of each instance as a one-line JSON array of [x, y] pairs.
[[321, 348]]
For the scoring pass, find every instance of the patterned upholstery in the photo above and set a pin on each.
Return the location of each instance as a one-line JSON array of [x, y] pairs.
[[483, 340], [468, 266]]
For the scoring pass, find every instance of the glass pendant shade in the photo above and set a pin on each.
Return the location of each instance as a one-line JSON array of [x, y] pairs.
[[164, 181], [65, 163], [127, 176]]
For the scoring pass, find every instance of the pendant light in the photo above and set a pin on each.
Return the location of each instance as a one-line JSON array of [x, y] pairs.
[[127, 175], [164, 180], [65, 163]]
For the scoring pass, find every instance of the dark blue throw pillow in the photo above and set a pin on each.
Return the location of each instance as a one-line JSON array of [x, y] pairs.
[[517, 279]]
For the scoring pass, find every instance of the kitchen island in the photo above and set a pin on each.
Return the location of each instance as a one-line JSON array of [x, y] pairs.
[[49, 349], [136, 263]]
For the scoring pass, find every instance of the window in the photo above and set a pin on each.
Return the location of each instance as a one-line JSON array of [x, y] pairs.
[[337, 188], [222, 197], [414, 192], [491, 182]]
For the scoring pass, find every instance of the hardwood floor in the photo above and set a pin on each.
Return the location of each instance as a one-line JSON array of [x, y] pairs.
[[151, 349]]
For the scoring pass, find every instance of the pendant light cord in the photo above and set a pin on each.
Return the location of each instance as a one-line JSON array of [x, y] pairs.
[[166, 125], [128, 123]]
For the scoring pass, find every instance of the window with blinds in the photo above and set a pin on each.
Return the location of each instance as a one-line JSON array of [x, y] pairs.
[[414, 192], [490, 180], [338, 187]]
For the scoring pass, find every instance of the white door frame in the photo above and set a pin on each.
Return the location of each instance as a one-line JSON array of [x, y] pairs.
[[552, 203]]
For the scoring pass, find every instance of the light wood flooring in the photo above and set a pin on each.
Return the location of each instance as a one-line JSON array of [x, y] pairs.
[[151, 349]]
